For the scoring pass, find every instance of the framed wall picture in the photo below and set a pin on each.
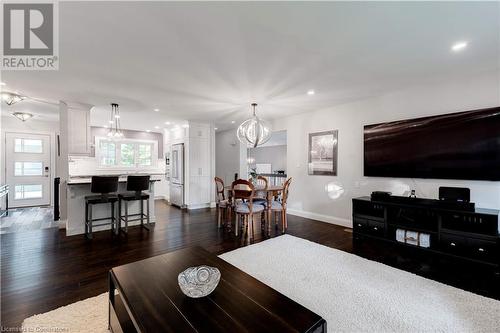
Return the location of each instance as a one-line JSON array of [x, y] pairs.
[[323, 148]]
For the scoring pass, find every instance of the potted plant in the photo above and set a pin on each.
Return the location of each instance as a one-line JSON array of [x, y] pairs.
[[253, 175]]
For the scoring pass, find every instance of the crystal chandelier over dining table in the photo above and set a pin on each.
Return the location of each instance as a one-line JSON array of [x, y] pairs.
[[114, 123], [254, 131]]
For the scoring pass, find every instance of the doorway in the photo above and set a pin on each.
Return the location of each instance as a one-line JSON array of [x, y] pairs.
[[28, 169], [269, 160]]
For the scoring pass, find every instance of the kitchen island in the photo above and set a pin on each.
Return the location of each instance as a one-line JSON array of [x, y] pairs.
[[79, 187]]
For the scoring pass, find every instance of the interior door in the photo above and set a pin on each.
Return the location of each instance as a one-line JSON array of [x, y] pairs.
[[28, 169]]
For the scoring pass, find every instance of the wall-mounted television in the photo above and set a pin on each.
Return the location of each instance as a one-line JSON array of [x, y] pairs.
[[463, 145]]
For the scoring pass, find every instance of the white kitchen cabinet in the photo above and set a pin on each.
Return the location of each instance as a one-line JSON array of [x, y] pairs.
[[199, 170], [199, 163], [79, 139]]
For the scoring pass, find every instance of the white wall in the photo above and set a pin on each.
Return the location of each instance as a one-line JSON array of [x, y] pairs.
[[275, 155], [230, 156], [309, 195]]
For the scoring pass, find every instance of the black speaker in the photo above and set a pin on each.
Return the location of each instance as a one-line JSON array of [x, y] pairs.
[[455, 194]]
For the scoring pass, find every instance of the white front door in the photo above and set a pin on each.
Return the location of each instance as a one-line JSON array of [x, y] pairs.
[[27, 166]]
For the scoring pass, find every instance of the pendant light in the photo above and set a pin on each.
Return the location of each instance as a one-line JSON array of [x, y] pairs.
[[254, 131], [115, 130], [11, 98], [23, 116]]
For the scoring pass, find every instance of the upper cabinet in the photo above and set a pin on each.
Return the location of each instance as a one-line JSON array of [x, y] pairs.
[[200, 131], [79, 139]]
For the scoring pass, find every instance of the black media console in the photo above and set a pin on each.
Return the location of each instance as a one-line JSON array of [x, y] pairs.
[[462, 231]]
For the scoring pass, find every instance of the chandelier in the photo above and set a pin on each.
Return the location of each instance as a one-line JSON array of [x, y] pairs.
[[12, 98], [254, 131], [114, 123]]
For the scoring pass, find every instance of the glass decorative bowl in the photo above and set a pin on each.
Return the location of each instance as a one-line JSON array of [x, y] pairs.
[[198, 281]]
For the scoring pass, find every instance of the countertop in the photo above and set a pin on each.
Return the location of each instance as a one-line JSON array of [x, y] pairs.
[[81, 180]]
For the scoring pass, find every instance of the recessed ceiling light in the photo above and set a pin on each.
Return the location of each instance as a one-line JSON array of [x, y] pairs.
[[459, 46], [111, 122], [148, 131], [167, 123], [311, 92], [117, 116], [216, 128], [156, 110], [3, 84], [232, 122], [157, 127]]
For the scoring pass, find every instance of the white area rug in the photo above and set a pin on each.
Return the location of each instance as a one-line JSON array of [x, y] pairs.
[[354, 294], [89, 315], [351, 293]]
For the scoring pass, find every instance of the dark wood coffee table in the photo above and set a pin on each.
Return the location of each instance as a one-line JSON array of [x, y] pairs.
[[144, 296]]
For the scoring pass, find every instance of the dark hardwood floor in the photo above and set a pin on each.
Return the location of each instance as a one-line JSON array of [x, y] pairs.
[[42, 270]]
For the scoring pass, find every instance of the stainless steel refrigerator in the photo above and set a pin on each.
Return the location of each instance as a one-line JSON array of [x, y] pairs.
[[177, 175]]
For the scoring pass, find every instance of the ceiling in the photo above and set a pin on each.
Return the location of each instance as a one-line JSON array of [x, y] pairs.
[[209, 60]]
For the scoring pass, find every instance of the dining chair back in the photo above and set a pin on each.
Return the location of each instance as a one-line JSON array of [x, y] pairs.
[[244, 190], [284, 196], [223, 206], [279, 206], [219, 189], [262, 181], [261, 193]]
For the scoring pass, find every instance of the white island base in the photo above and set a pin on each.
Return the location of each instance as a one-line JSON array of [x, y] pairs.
[[78, 190]]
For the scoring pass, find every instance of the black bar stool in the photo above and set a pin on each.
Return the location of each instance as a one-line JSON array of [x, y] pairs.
[[135, 185], [105, 185]]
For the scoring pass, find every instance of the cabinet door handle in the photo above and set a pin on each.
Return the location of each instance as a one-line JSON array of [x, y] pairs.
[[452, 244], [480, 249]]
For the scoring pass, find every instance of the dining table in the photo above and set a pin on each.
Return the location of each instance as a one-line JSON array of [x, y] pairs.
[[270, 191]]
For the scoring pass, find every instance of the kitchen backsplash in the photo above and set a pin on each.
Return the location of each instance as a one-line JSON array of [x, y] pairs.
[[85, 166]]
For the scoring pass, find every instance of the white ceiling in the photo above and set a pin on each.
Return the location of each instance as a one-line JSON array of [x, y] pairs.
[[209, 61]]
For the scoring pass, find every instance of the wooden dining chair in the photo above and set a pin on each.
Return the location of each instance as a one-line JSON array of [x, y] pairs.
[[244, 190], [223, 205], [279, 207], [262, 182]]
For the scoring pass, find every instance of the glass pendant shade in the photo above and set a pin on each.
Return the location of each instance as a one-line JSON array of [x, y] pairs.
[[254, 131], [23, 116], [12, 98]]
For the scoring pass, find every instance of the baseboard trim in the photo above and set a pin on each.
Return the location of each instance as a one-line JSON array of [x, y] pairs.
[[320, 217], [198, 206]]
